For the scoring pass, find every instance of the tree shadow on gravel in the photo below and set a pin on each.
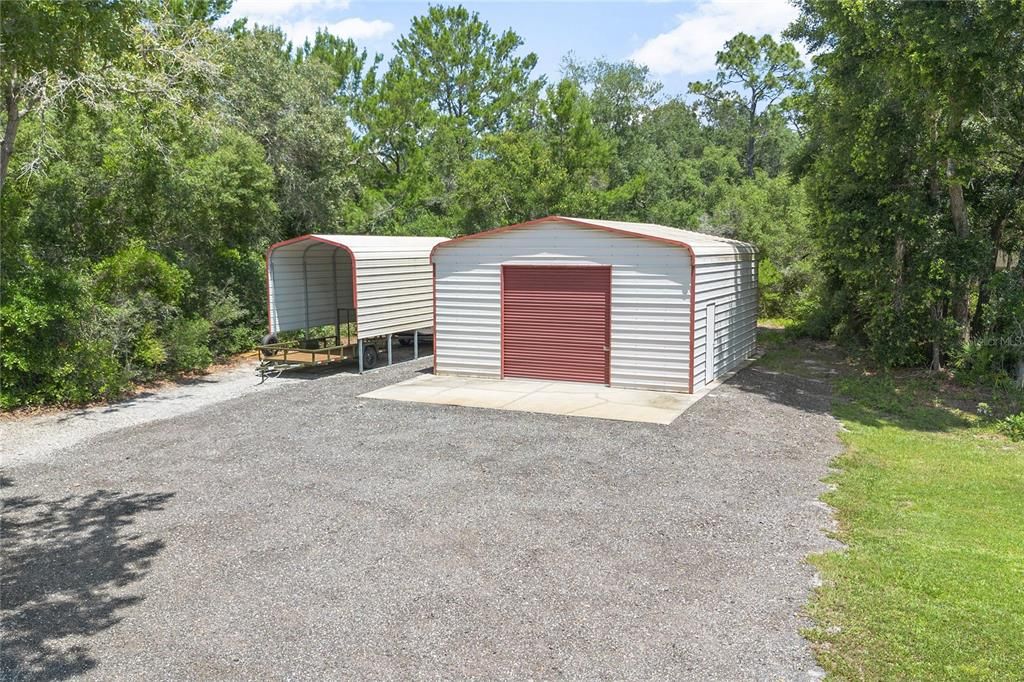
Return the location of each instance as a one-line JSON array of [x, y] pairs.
[[796, 373], [801, 392], [65, 564]]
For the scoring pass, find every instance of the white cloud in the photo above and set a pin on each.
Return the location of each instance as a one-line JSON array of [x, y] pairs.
[[361, 29], [300, 19], [689, 49], [265, 11], [354, 27]]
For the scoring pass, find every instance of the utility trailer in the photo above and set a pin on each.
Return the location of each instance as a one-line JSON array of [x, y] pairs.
[[377, 287], [277, 357]]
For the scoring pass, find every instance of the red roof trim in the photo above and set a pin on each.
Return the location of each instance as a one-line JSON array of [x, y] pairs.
[[313, 237]]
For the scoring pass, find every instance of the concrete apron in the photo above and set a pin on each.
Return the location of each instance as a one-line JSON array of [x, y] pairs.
[[547, 397]]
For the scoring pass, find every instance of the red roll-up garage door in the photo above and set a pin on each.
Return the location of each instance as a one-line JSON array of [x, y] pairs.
[[555, 322]]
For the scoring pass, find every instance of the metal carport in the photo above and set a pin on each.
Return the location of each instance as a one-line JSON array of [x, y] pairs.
[[381, 284]]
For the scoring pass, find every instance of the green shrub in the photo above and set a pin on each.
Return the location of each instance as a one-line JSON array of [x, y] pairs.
[[51, 352], [135, 272], [231, 328], [1013, 427], [149, 350], [769, 284], [187, 341], [982, 362], [77, 333], [992, 358], [816, 314]]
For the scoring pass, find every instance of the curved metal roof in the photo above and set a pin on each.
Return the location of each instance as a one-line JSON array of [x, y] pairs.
[[387, 281], [702, 244], [698, 243], [370, 247]]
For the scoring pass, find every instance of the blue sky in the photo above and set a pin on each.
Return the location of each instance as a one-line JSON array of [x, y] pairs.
[[676, 40]]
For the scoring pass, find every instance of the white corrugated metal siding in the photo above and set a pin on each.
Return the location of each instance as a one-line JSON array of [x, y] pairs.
[[287, 285], [729, 283], [393, 290], [650, 308]]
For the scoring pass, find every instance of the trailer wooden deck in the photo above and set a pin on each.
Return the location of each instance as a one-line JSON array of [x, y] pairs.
[[279, 357]]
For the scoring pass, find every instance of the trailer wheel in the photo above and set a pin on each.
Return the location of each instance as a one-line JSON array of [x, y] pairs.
[[268, 340], [369, 356]]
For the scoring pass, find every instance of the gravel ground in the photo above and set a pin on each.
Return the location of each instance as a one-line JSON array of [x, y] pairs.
[[301, 532], [35, 438]]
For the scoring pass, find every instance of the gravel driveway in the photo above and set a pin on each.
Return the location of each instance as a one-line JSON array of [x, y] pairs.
[[301, 532]]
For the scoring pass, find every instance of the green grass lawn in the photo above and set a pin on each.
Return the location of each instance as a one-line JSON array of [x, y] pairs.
[[930, 503]]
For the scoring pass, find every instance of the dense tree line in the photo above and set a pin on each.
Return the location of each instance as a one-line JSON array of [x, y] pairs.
[[915, 167], [150, 158]]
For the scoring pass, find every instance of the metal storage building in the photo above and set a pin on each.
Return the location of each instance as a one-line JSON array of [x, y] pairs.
[[382, 284], [631, 305]]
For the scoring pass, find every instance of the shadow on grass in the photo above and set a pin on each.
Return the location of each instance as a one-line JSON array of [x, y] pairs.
[[908, 403], [65, 564], [817, 377]]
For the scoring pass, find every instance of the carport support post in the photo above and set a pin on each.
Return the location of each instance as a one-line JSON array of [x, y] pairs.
[[337, 312], [416, 345], [305, 290], [360, 351], [389, 350]]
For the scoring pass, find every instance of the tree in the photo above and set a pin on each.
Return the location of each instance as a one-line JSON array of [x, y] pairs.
[[398, 129], [466, 71], [622, 94], [670, 154], [452, 84], [298, 106], [621, 97], [575, 141], [771, 213], [348, 62], [516, 179], [754, 78], [917, 172], [46, 47]]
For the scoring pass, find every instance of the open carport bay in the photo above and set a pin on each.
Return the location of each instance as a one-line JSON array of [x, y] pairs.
[[302, 532]]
